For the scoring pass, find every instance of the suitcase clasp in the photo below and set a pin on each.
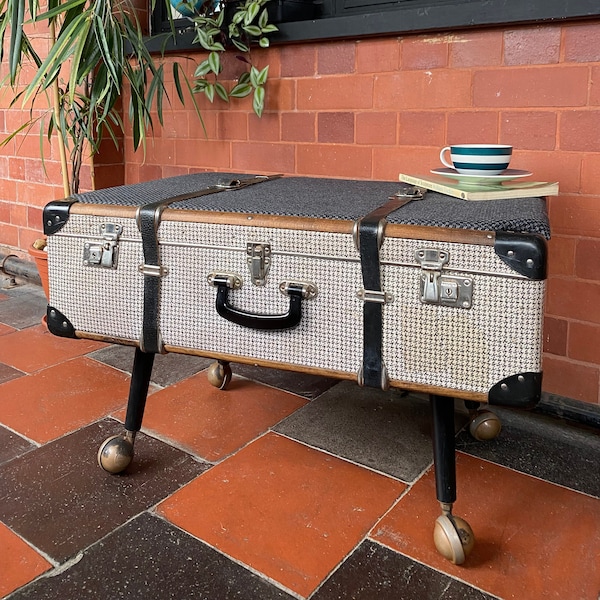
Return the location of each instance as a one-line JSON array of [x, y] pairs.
[[103, 254], [258, 257], [446, 290]]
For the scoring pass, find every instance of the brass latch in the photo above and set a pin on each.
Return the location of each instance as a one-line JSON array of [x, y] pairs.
[[435, 288], [258, 258], [105, 253]]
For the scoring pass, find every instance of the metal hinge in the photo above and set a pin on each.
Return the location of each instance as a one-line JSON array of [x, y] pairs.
[[414, 191], [384, 382], [375, 296], [259, 261], [153, 270], [103, 254], [231, 281], [435, 288], [307, 289]]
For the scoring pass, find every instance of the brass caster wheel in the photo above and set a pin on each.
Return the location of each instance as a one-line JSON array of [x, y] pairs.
[[453, 538], [116, 453], [219, 374], [485, 425]]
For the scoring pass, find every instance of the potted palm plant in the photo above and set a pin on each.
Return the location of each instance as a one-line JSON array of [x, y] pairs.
[[96, 48], [72, 93]]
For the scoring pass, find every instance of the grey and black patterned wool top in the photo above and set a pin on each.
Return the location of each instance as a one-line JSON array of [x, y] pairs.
[[338, 199]]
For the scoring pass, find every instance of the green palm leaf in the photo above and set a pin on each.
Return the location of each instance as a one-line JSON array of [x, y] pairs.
[[17, 13], [75, 75], [58, 9], [58, 54]]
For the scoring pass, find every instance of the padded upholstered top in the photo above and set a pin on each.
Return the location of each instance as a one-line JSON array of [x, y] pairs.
[[338, 199]]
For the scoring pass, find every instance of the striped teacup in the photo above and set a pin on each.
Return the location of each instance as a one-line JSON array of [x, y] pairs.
[[478, 159]]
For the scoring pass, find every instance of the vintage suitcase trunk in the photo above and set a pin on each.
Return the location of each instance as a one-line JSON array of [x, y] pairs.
[[460, 295], [373, 281]]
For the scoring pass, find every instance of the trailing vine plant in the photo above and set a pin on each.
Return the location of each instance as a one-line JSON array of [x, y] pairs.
[[224, 25]]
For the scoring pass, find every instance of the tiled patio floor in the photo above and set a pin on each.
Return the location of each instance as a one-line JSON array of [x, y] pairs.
[[282, 486]]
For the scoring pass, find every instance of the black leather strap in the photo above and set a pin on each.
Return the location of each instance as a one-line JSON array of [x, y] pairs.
[[370, 233], [148, 220], [147, 217]]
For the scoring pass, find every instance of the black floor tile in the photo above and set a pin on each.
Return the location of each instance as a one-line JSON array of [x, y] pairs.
[[544, 447], [387, 431], [12, 445], [303, 384], [171, 368], [61, 501], [167, 370], [24, 306], [151, 560], [7, 373], [373, 572]]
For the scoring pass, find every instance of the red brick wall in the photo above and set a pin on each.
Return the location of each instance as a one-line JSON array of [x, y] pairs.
[[373, 108]]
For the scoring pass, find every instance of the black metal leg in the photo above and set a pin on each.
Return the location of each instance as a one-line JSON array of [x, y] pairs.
[[138, 389], [443, 448], [472, 405], [453, 536], [116, 453]]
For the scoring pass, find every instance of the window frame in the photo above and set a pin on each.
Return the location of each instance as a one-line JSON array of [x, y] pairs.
[[402, 17]]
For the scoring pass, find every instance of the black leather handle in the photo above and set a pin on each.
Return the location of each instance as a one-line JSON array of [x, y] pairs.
[[260, 321]]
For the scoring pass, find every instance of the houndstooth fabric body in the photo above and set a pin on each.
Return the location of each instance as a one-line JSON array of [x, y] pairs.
[[466, 350]]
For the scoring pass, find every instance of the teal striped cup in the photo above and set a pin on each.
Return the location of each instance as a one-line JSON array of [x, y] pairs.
[[477, 159]]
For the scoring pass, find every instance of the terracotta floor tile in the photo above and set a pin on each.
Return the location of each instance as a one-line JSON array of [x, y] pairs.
[[286, 510], [62, 398], [19, 563], [36, 348], [4, 329], [538, 537], [213, 423]]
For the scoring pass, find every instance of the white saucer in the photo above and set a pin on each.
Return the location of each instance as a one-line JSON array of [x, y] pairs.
[[506, 175]]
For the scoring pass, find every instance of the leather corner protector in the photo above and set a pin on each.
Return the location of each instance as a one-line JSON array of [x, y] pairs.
[[526, 253], [523, 390], [58, 324], [56, 215]]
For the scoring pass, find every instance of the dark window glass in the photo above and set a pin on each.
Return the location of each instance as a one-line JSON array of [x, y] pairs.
[[305, 20]]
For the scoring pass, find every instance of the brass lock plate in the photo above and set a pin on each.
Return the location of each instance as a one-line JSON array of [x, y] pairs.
[[438, 288], [103, 253], [451, 291]]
